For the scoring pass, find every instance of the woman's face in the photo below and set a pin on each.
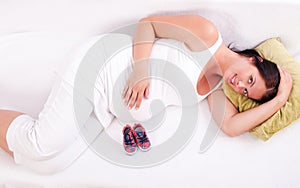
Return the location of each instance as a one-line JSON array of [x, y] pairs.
[[245, 79]]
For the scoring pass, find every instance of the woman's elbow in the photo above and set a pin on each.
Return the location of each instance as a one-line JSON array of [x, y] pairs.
[[146, 19], [230, 131]]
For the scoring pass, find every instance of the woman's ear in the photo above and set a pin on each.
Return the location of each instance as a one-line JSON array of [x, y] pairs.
[[254, 58], [260, 59]]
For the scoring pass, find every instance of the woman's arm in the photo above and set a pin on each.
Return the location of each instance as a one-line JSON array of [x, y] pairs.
[[195, 31], [234, 123]]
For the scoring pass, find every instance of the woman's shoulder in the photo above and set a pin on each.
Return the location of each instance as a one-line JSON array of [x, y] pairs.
[[203, 29], [197, 26]]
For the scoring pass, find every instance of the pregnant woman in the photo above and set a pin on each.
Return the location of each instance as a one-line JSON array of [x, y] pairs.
[[53, 139]]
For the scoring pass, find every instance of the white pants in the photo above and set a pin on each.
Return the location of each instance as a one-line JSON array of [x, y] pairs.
[[51, 142]]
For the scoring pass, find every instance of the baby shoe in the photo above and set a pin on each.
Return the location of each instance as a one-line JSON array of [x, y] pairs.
[[129, 140], [141, 137]]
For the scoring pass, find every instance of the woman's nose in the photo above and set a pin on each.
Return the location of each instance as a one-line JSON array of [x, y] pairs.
[[240, 84]]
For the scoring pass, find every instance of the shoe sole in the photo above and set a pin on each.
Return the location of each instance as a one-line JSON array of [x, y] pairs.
[[130, 153], [144, 150]]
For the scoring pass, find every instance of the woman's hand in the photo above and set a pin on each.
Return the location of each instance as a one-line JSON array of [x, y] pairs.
[[137, 86], [285, 86]]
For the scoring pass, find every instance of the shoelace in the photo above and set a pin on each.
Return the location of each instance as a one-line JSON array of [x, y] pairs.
[[128, 140], [142, 137]]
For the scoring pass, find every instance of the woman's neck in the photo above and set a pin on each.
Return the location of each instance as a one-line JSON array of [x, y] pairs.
[[226, 57]]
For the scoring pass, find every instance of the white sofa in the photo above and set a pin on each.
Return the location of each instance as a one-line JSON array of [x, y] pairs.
[[243, 161]]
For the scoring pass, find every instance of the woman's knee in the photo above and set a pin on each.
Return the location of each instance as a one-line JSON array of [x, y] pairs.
[[6, 118]]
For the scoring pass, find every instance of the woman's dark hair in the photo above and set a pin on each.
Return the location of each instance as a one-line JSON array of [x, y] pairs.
[[269, 71]]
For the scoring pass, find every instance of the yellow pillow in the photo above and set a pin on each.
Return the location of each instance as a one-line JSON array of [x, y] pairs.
[[273, 50]]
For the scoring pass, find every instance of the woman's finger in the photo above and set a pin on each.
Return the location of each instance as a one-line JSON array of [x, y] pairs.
[[279, 68], [146, 93], [139, 100], [125, 91], [128, 96], [286, 74], [132, 100]]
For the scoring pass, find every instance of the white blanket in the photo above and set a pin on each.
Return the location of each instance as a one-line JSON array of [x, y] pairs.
[[242, 161], [182, 168]]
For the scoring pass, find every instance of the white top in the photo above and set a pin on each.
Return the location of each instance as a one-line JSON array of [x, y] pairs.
[[174, 71]]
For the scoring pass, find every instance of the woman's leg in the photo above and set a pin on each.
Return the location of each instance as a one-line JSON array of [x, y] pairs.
[[6, 117], [49, 143]]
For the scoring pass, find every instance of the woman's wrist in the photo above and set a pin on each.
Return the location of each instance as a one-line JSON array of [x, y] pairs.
[[280, 100]]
